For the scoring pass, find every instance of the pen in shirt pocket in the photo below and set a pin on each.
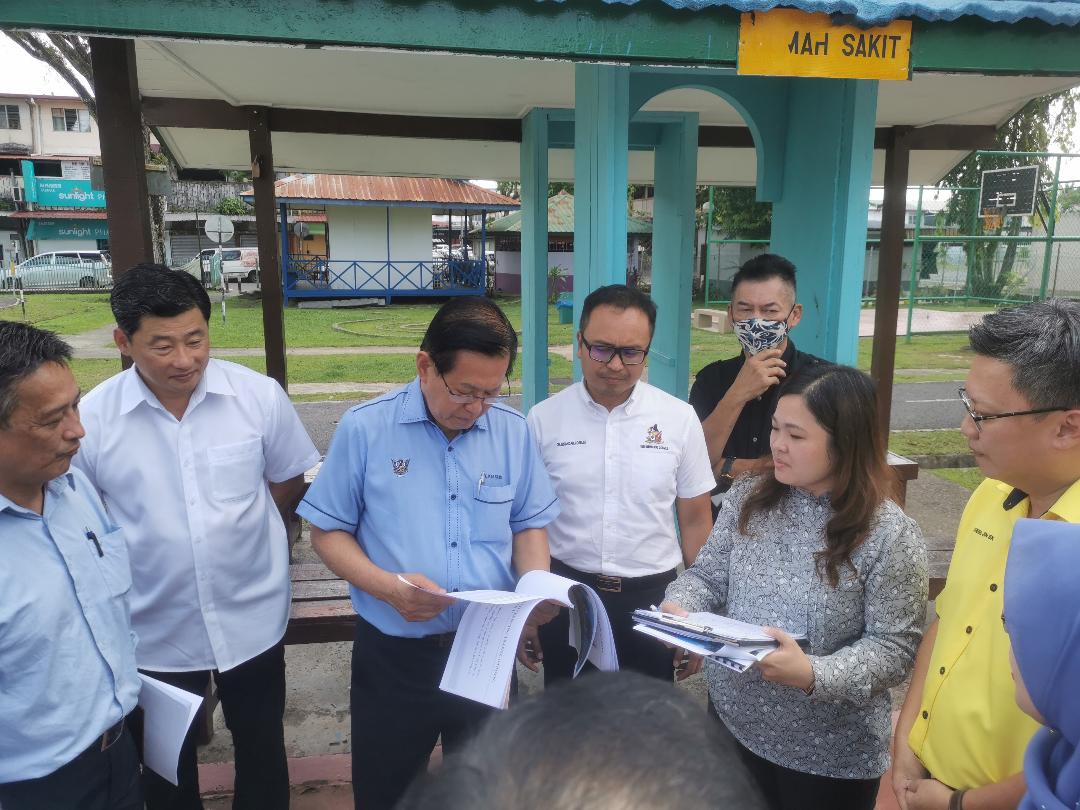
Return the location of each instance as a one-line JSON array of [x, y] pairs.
[[93, 539], [480, 484]]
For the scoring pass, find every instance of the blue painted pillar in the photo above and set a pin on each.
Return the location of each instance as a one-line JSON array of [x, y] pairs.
[[819, 221], [673, 255], [534, 256], [601, 130], [283, 217]]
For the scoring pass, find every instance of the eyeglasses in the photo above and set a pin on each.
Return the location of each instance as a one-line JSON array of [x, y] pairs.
[[469, 399], [605, 354], [978, 417]]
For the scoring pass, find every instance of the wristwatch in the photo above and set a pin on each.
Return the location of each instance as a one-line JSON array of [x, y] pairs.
[[956, 800], [726, 478]]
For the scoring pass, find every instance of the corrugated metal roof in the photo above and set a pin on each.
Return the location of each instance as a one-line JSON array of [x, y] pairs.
[[876, 12], [347, 188], [560, 218]]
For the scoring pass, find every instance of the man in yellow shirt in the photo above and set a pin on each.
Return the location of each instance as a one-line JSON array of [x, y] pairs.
[[960, 738]]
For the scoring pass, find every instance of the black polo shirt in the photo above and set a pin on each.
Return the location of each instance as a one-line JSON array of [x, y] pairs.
[[750, 436]]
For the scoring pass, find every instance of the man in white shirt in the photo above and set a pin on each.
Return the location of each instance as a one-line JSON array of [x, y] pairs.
[[625, 458], [196, 458]]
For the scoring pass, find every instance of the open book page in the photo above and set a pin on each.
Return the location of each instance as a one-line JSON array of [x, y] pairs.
[[481, 660], [168, 712]]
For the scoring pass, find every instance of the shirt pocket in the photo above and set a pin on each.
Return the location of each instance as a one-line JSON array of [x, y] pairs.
[[113, 562], [236, 470], [491, 513]]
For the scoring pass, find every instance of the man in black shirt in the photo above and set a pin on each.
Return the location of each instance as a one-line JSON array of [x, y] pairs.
[[735, 399]]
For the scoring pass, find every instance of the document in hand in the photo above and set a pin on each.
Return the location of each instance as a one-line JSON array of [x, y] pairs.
[[167, 715], [729, 642], [482, 657]]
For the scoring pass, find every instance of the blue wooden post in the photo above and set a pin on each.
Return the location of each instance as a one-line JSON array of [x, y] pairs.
[[283, 214], [819, 221], [534, 255], [601, 130], [673, 255]]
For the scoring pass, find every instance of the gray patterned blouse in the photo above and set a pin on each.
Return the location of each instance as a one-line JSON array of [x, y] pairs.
[[863, 634]]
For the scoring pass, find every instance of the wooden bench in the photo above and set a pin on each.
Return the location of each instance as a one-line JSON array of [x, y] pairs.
[[321, 608]]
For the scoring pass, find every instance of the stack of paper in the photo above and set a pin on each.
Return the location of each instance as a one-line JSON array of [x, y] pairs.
[[729, 642]]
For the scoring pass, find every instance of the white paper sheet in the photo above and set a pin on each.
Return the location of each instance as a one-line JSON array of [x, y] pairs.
[[738, 659], [481, 660], [167, 715]]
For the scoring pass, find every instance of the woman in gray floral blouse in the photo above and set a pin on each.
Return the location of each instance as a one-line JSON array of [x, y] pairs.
[[815, 547]]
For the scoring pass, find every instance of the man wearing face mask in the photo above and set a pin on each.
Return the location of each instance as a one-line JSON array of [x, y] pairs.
[[735, 398]]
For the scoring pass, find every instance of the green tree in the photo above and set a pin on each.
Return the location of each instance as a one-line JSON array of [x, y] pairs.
[[1041, 123], [736, 212]]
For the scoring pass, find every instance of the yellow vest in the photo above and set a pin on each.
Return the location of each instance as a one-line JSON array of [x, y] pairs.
[[969, 730]]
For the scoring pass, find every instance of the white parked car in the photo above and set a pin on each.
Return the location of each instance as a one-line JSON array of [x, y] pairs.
[[237, 264], [76, 269]]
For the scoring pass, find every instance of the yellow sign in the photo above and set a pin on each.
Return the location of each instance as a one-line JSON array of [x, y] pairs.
[[785, 42]]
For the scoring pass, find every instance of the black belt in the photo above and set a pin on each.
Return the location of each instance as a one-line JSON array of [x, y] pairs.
[[609, 584], [107, 738]]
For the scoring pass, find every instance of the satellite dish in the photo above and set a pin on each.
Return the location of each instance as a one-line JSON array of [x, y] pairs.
[[218, 228]]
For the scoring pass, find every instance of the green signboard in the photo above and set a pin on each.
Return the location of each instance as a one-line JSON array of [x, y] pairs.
[[68, 229], [59, 193]]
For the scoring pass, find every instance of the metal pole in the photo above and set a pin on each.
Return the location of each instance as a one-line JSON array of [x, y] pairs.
[[708, 247], [1051, 224], [915, 251]]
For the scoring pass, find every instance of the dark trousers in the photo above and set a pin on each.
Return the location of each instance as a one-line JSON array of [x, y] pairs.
[[785, 789], [94, 780], [252, 699], [399, 712], [636, 651]]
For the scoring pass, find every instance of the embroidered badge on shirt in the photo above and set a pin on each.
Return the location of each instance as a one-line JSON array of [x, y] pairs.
[[654, 436], [400, 465]]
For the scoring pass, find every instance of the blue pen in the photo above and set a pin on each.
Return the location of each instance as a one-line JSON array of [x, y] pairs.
[[93, 539]]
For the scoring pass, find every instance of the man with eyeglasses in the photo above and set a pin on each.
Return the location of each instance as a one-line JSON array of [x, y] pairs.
[[432, 488], [960, 737], [735, 398], [626, 458]]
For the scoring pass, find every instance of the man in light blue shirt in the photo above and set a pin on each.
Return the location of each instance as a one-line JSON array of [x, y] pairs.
[[441, 485], [67, 653]]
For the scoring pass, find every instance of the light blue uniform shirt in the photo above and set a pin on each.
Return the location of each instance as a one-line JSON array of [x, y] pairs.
[[67, 653], [418, 502]]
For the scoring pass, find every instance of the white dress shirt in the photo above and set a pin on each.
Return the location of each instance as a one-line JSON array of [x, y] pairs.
[[617, 475], [209, 556]]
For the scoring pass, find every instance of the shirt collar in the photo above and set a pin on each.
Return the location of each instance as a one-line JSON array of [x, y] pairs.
[[414, 408], [1066, 508], [627, 406], [57, 487], [135, 390]]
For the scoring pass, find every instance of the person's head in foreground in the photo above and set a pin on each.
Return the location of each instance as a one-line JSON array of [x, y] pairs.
[[825, 441], [1042, 617], [1022, 397], [465, 360], [620, 740], [163, 325], [763, 308], [39, 411]]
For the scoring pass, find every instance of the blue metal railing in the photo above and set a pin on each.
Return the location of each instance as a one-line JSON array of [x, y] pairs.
[[312, 276]]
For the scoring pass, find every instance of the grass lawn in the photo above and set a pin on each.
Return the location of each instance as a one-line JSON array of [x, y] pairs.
[[330, 368], [929, 443], [63, 313], [403, 324], [969, 477]]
